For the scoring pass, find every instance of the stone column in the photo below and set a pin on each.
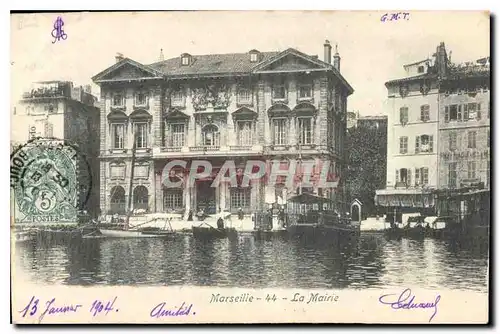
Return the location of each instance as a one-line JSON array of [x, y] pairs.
[[156, 107], [158, 191], [262, 128]]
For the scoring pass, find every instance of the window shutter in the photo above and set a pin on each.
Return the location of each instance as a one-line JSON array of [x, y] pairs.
[[417, 176], [478, 112], [431, 143], [397, 176], [421, 113], [466, 113], [446, 114], [459, 113], [417, 144], [408, 177]]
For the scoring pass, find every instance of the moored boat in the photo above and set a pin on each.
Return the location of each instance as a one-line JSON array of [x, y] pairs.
[[314, 221], [209, 232], [134, 233]]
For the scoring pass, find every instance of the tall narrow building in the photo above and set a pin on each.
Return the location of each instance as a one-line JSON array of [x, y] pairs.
[[438, 134]]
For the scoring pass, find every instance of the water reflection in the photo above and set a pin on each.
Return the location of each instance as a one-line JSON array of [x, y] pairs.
[[371, 262]]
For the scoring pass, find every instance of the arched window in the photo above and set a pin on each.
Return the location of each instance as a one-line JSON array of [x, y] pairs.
[[117, 203], [141, 198], [211, 135]]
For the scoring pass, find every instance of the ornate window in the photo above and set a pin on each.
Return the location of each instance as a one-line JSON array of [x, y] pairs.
[[305, 130], [279, 127], [118, 136], [244, 96], [140, 99], [305, 91], [279, 90], [141, 135], [118, 100], [211, 135], [177, 98], [177, 134], [245, 132]]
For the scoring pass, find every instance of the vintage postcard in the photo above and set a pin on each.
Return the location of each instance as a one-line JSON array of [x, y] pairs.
[[250, 167]]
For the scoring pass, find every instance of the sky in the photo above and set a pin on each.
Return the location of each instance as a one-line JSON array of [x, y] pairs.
[[372, 52]]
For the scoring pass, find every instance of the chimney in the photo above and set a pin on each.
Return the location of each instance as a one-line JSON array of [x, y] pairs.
[[441, 60], [336, 58], [119, 57], [328, 52]]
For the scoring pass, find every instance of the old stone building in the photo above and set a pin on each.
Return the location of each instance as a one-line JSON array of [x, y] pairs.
[[254, 105], [438, 132], [464, 126], [62, 111]]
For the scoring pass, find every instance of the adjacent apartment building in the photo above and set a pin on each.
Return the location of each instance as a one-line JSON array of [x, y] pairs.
[[240, 106], [438, 132], [59, 110]]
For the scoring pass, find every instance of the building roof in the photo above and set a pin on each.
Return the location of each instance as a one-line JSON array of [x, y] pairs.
[[211, 64], [229, 64], [372, 117], [416, 63], [413, 78]]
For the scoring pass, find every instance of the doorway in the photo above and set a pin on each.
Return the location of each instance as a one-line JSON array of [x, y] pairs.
[[205, 197]]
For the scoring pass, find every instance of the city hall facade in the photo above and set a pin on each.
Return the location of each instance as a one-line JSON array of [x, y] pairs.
[[268, 106]]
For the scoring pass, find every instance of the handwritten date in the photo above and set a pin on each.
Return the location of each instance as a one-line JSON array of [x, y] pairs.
[[53, 307]]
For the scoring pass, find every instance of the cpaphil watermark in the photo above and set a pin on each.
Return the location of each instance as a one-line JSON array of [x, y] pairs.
[[318, 173]]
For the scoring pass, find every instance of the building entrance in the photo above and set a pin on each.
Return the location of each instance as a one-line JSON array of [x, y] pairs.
[[205, 197]]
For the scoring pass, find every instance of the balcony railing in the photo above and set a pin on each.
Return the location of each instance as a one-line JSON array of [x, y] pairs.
[[204, 148], [171, 148], [240, 148]]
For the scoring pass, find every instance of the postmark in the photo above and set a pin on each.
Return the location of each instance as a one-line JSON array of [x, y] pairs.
[[45, 176]]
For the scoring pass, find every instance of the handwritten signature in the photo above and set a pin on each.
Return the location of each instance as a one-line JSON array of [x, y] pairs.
[[160, 310], [58, 32], [53, 308], [406, 301]]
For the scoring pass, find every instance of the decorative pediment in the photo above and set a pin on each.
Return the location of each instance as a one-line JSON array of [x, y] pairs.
[[244, 113], [126, 69], [291, 60], [279, 110], [140, 114], [176, 115], [305, 109], [117, 116]]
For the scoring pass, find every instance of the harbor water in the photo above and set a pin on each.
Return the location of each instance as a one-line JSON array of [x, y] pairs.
[[371, 262]]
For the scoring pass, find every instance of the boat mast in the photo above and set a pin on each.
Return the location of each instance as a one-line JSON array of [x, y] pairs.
[[129, 204]]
